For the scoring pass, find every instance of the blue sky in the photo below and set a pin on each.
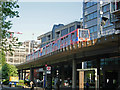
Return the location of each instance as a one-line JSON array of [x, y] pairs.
[[39, 17]]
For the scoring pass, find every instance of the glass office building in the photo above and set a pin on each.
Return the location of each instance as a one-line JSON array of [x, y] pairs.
[[109, 76]]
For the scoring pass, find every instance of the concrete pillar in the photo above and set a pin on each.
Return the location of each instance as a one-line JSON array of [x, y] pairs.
[[21, 77], [19, 74], [31, 74], [74, 71], [24, 74], [62, 76]]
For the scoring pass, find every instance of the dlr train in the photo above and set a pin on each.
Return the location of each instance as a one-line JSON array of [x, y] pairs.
[[72, 38]]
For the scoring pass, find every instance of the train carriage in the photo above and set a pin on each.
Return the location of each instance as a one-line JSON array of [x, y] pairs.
[[36, 54], [71, 39]]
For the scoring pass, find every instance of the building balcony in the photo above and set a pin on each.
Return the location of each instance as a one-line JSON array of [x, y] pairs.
[[115, 11]]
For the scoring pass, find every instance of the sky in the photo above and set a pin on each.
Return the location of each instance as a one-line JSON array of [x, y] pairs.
[[37, 18]]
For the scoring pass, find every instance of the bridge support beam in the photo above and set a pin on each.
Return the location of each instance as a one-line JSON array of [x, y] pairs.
[[62, 76], [31, 74], [74, 71]]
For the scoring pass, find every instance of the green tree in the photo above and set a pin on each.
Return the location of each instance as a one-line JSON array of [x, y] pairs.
[[2, 56], [8, 70], [8, 11]]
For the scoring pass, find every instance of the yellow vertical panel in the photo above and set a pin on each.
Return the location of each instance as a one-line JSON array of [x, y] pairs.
[[81, 80], [89, 43], [84, 44]]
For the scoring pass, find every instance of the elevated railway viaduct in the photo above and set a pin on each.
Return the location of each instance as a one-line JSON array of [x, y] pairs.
[[104, 47]]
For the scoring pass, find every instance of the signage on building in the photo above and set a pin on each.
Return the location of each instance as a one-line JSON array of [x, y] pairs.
[[48, 70]]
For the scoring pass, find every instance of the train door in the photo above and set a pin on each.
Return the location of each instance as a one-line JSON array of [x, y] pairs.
[[55, 46], [73, 37], [66, 41], [69, 39], [61, 43], [58, 44]]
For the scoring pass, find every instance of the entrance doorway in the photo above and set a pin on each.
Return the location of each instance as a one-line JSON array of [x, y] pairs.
[[88, 78], [111, 78]]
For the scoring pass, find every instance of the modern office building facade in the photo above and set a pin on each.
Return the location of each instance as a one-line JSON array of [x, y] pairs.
[[92, 18], [93, 12]]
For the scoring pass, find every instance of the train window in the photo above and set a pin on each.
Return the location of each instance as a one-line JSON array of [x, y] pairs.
[[83, 34], [73, 35]]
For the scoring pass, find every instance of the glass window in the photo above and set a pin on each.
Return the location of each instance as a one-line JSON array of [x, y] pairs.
[[64, 32], [91, 16], [106, 8], [118, 5], [94, 14], [43, 39], [88, 4], [83, 33], [95, 3], [72, 28], [95, 35], [91, 30], [95, 28]]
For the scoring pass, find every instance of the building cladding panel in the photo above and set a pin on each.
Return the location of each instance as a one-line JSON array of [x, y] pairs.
[[91, 17], [88, 24], [90, 9]]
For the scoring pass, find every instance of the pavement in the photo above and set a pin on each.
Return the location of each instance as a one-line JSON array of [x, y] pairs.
[[26, 88], [18, 88], [12, 88]]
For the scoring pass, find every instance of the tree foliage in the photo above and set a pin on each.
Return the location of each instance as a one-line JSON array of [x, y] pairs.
[[8, 70], [8, 11]]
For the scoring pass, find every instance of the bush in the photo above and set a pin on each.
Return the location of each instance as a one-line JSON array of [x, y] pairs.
[[6, 82], [21, 81]]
